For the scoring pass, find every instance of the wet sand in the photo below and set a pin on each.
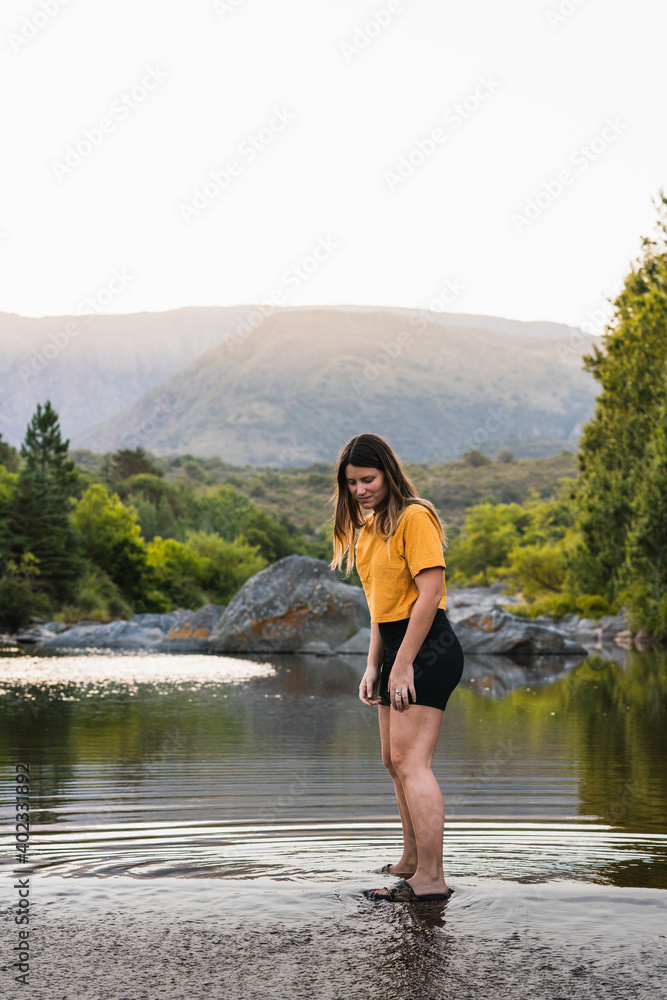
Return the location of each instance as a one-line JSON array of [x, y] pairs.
[[239, 939]]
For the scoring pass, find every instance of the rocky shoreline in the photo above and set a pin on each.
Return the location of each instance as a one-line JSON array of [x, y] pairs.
[[297, 605]]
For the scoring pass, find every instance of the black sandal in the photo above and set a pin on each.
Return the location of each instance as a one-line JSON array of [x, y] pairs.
[[404, 893]]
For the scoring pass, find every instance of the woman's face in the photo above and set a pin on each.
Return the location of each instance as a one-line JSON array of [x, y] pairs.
[[368, 486]]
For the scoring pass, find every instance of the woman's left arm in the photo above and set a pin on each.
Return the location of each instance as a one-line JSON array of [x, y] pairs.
[[429, 583]]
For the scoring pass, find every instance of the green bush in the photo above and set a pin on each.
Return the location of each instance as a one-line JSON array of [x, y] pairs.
[[553, 605], [475, 458], [204, 569], [20, 596], [538, 569], [227, 564], [490, 533], [593, 606], [177, 571], [96, 597]]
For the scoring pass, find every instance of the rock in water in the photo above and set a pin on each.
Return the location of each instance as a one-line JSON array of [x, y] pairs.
[[190, 634], [496, 631], [144, 631], [291, 603]]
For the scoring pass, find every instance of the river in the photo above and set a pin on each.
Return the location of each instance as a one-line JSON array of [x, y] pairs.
[[207, 823]]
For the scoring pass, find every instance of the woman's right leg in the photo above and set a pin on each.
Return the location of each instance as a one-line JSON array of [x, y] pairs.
[[408, 860]]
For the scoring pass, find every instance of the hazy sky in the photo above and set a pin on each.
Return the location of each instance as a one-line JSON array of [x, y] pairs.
[[472, 156]]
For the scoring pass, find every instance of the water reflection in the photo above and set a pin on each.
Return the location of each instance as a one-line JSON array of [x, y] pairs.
[[208, 766]]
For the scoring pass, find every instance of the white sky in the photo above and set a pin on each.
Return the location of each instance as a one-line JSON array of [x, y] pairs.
[[221, 75]]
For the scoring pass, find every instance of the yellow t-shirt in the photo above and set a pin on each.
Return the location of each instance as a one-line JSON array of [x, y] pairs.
[[388, 576]]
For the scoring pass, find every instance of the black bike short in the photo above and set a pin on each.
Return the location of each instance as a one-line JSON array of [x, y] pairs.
[[438, 665]]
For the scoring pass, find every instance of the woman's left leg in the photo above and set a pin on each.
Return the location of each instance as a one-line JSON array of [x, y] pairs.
[[414, 735]]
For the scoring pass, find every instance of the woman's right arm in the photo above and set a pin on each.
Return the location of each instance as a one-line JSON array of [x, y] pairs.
[[369, 682]]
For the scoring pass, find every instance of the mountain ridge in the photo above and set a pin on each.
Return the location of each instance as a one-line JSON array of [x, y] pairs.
[[335, 372]]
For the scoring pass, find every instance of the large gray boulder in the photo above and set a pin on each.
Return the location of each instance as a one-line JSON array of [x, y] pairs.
[[290, 604], [496, 631]]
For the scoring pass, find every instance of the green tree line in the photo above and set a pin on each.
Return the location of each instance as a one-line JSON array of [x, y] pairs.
[[73, 545], [601, 542]]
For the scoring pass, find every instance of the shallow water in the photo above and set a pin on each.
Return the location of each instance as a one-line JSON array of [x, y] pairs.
[[200, 795]]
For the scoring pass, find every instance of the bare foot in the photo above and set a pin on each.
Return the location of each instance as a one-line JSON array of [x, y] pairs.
[[403, 867]]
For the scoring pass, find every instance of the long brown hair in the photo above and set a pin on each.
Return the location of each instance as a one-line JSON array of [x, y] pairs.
[[369, 451]]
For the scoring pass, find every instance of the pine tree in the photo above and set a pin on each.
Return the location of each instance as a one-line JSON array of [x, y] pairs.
[[44, 449], [39, 523], [8, 456], [132, 462]]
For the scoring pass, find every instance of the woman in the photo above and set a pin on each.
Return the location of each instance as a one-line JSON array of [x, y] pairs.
[[414, 661]]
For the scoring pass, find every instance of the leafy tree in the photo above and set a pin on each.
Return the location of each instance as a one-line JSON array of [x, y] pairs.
[[620, 447], [646, 546], [155, 520], [129, 462], [152, 488], [44, 449], [222, 510], [193, 470], [273, 539], [112, 540]]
